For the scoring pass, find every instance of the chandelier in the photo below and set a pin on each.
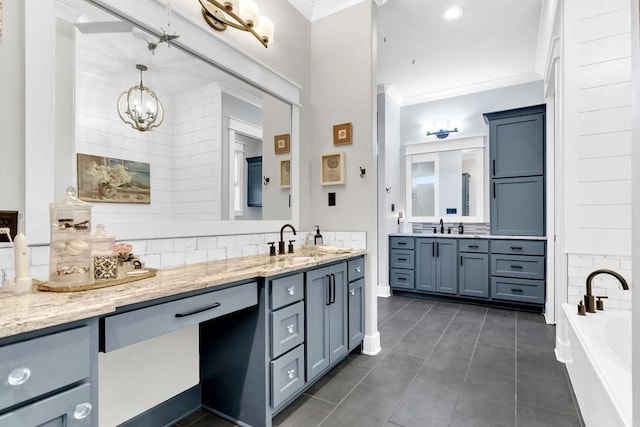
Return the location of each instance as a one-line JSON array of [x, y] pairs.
[[240, 14], [140, 107]]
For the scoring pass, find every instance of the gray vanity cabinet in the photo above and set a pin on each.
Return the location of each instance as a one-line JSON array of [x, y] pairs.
[[402, 262], [436, 266], [518, 271], [517, 156], [326, 317], [356, 302], [473, 279]]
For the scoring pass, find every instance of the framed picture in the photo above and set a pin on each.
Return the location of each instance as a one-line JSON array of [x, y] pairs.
[[332, 168], [342, 134], [285, 173], [110, 180], [282, 143]]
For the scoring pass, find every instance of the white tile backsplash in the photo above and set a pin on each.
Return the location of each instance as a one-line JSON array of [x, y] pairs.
[[164, 253], [581, 265]]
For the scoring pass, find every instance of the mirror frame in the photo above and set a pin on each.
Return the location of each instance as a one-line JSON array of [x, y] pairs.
[[454, 144], [40, 120]]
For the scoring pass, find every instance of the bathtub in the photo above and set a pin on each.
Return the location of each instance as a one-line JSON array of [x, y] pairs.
[[596, 349]]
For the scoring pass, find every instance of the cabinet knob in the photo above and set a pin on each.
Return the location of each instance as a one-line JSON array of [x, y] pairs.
[[291, 290], [291, 373], [290, 328], [82, 411], [359, 269], [352, 291], [19, 376]]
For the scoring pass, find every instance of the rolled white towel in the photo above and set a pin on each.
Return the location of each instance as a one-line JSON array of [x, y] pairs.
[[333, 249]]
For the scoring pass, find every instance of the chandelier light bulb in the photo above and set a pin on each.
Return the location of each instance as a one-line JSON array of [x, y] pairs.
[[265, 29], [249, 12]]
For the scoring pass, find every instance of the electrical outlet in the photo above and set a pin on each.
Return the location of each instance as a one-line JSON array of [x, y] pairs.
[[9, 219]]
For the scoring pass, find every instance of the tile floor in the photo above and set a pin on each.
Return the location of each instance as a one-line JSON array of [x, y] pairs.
[[442, 364]]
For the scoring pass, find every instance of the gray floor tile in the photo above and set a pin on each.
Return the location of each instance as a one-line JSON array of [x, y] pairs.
[[211, 421], [458, 340], [539, 359], [545, 392], [499, 335], [412, 312], [192, 418], [490, 386], [454, 364], [365, 406], [333, 388], [462, 420], [421, 348], [493, 359], [394, 373], [305, 411], [484, 407], [532, 416]]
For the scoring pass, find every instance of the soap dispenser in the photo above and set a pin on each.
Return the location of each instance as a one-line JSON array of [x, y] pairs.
[[317, 239]]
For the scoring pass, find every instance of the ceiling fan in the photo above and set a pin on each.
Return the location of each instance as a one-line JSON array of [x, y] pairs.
[[102, 27]]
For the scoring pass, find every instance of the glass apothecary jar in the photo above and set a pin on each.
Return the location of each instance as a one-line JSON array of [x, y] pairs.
[[105, 260], [70, 248]]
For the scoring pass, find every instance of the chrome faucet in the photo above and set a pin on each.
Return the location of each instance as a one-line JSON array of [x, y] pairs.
[[441, 226], [589, 298], [281, 242]]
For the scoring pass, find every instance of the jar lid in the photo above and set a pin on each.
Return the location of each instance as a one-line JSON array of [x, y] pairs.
[[71, 201], [101, 233]]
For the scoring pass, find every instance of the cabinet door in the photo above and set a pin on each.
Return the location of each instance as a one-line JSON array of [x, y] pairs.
[[338, 322], [517, 146], [67, 409], [474, 275], [254, 181], [446, 279], [317, 322], [356, 313], [517, 206], [425, 264]]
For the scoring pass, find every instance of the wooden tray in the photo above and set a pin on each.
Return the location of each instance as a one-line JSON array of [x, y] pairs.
[[120, 280]]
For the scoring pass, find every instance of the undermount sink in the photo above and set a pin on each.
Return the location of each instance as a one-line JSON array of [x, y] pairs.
[[300, 258]]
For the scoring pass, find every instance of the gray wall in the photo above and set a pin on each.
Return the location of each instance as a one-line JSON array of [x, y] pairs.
[[468, 109]]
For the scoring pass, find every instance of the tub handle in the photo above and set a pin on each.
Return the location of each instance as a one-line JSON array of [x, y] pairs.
[[599, 302]]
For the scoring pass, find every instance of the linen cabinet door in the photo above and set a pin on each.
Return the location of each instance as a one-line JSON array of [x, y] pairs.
[[446, 280], [338, 323], [474, 275], [425, 265]]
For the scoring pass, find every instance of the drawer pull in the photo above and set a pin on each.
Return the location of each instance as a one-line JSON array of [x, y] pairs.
[[358, 269], [292, 290], [516, 248], [516, 290], [291, 373], [82, 411], [199, 310], [519, 267], [401, 279], [290, 328], [19, 376], [352, 291], [402, 259], [402, 243], [474, 246]]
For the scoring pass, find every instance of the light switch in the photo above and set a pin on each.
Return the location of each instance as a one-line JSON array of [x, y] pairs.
[[332, 199]]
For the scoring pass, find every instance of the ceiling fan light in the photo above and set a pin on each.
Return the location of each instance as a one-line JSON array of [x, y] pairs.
[[452, 13]]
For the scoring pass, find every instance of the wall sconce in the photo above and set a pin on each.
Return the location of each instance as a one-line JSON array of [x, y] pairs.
[[132, 101], [441, 129], [239, 14]]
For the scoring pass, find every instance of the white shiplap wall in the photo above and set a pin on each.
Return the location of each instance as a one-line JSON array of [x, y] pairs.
[[597, 142]]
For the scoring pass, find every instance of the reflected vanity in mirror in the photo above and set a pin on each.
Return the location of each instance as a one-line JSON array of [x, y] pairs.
[[445, 180], [199, 177]]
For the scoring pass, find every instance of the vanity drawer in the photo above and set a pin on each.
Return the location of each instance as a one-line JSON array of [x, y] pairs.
[[37, 366], [128, 328], [287, 290], [518, 247], [287, 375], [402, 259], [401, 279], [401, 242], [71, 408], [355, 268], [520, 290], [522, 267], [474, 245], [287, 329]]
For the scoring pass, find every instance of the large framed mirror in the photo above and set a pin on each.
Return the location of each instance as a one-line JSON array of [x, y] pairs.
[[215, 118], [446, 180]]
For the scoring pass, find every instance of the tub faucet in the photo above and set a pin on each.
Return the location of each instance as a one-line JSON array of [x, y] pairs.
[[589, 298], [281, 242]]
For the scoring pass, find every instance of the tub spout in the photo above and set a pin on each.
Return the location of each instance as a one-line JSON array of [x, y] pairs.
[[589, 298]]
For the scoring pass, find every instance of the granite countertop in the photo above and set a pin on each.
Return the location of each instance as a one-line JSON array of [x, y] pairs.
[[468, 236], [37, 310]]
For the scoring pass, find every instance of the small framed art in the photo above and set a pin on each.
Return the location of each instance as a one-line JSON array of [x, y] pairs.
[[282, 143], [332, 168], [285, 173], [342, 134]]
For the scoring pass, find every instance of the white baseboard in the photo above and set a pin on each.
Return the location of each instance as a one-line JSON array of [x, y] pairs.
[[371, 344], [384, 291]]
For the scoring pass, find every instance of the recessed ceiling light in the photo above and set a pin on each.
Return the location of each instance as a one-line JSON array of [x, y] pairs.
[[452, 13]]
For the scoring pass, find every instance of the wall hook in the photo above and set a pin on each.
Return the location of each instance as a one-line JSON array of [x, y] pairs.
[[387, 189], [363, 171], [266, 180]]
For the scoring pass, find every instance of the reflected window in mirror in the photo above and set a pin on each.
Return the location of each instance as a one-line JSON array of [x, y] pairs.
[[446, 180]]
